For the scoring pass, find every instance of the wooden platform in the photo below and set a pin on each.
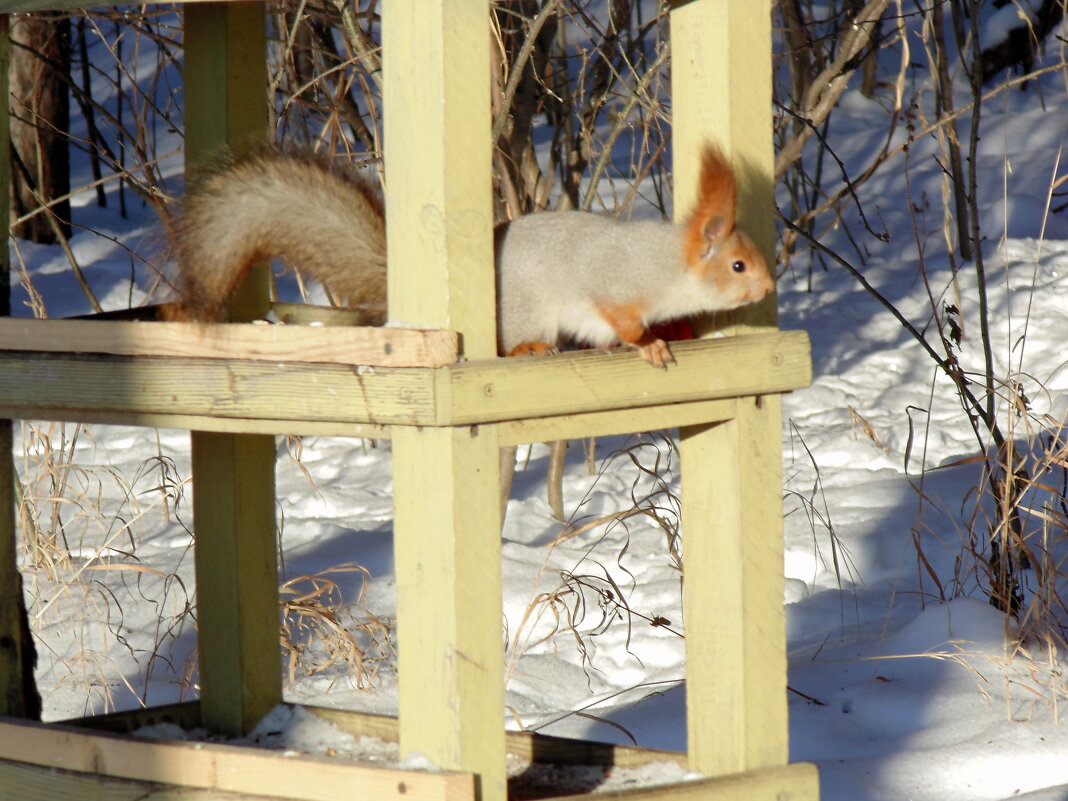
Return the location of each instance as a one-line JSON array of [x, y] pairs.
[[91, 759], [249, 378]]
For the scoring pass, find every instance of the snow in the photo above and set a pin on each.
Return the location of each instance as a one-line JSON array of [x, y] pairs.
[[906, 683], [1014, 14]]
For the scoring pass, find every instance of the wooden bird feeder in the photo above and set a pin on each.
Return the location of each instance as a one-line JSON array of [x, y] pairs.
[[236, 386]]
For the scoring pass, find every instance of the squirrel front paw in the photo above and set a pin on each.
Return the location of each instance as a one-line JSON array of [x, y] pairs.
[[657, 353]]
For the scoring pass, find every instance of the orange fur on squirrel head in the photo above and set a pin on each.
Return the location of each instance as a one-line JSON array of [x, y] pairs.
[[711, 222]]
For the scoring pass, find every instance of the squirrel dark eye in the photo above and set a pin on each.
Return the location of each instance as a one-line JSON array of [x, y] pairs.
[[738, 266]]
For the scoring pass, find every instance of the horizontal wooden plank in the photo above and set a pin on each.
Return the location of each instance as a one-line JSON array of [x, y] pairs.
[[797, 782], [728, 367], [227, 425], [620, 421], [381, 347], [185, 714], [148, 390], [511, 432], [22, 782], [231, 769], [533, 747], [134, 390]]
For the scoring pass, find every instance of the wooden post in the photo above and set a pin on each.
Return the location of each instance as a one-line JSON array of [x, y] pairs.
[[448, 564], [732, 593], [233, 475], [439, 186], [731, 472], [721, 92], [436, 82], [18, 691]]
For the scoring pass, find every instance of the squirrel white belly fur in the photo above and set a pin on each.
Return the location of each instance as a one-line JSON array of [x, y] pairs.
[[560, 275]]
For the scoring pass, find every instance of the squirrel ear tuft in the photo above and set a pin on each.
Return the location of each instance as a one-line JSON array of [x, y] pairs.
[[717, 189], [711, 220]]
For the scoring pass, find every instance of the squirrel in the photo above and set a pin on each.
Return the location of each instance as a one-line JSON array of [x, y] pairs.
[[563, 275]]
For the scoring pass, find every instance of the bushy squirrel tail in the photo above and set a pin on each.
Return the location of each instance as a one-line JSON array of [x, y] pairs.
[[327, 222]]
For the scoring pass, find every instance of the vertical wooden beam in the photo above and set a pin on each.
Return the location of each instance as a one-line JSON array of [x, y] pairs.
[[18, 691], [439, 203], [237, 579], [736, 702], [233, 475], [448, 562], [721, 91], [226, 104], [436, 83], [731, 473]]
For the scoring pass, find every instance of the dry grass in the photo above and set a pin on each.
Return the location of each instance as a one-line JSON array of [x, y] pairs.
[[584, 601], [321, 632], [81, 524]]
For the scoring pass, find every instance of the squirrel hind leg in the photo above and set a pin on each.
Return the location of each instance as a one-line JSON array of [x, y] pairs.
[[533, 349]]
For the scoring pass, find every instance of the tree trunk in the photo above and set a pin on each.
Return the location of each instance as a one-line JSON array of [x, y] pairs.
[[40, 117]]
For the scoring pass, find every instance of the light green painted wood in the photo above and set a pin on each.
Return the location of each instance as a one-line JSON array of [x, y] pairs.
[[439, 203], [147, 392], [721, 92], [221, 771], [225, 93], [137, 388], [731, 472], [350, 346], [448, 566], [511, 432], [237, 579], [447, 522], [609, 423], [521, 388], [798, 782], [22, 782], [733, 590], [233, 475]]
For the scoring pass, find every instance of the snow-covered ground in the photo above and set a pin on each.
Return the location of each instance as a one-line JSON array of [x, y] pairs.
[[906, 683]]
